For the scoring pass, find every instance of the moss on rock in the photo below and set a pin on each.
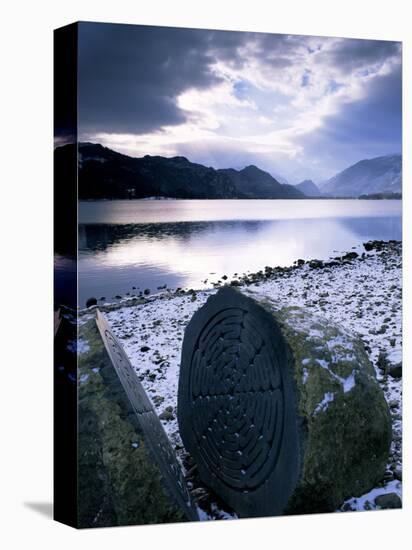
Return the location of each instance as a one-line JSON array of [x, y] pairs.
[[346, 426], [118, 482]]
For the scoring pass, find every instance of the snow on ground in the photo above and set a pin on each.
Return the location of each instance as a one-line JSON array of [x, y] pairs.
[[362, 295]]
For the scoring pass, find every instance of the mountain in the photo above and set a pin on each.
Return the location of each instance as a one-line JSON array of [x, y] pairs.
[[106, 174], [309, 188], [252, 182], [280, 178], [377, 175]]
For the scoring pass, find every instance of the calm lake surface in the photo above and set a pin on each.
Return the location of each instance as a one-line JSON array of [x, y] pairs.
[[183, 243]]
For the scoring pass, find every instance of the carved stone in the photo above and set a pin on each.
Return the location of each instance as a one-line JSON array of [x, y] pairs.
[[280, 410], [155, 438]]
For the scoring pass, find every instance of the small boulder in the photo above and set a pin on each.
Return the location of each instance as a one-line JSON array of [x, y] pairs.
[[373, 245], [167, 414], [397, 473], [315, 264], [271, 427], [388, 501], [382, 362], [350, 256], [91, 302], [395, 370]]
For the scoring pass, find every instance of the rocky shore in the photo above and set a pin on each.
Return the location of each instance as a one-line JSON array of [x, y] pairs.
[[359, 290]]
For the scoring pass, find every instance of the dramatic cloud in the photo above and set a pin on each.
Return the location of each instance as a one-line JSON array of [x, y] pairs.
[[130, 77], [296, 105]]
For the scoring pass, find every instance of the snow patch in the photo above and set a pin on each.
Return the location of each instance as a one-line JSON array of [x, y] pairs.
[[79, 346], [347, 383], [395, 356], [324, 404], [367, 501], [82, 346], [305, 376]]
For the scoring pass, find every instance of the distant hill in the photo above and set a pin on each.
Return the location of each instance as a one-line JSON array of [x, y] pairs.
[[381, 196], [252, 182], [106, 174], [280, 178], [309, 188], [366, 177]]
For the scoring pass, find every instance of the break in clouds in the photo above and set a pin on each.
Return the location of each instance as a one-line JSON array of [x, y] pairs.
[[299, 106]]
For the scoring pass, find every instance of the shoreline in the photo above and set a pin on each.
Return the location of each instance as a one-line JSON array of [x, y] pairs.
[[361, 290], [359, 252], [163, 198]]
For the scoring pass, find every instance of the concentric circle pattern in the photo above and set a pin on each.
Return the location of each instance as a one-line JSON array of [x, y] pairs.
[[235, 394]]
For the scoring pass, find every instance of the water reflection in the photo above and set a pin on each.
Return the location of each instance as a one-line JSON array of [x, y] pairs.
[[143, 211], [94, 237], [115, 257]]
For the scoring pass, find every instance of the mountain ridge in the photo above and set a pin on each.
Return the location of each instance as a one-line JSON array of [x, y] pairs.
[[309, 188], [107, 174], [368, 176]]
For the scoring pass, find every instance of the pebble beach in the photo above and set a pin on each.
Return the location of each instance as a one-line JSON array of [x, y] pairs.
[[361, 290]]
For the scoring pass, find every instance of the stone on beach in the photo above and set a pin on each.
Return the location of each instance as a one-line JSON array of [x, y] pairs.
[[388, 501], [91, 302], [119, 482], [279, 408], [395, 370]]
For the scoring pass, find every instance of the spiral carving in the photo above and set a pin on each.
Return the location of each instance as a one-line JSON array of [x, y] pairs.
[[236, 400]]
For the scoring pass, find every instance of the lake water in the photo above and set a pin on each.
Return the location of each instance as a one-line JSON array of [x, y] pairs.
[[191, 243]]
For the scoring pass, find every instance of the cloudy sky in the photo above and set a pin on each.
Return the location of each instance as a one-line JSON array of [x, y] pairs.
[[297, 106]]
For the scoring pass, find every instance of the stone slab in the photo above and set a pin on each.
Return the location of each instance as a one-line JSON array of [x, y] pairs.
[[279, 408], [155, 437], [236, 405]]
